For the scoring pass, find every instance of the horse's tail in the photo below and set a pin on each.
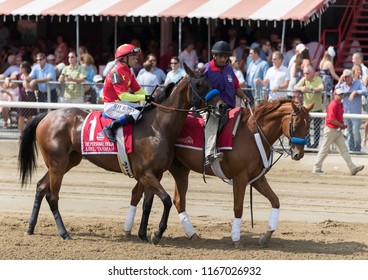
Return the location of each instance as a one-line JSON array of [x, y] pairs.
[[28, 150]]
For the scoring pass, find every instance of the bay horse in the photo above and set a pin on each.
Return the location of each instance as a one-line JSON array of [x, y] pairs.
[[241, 164], [58, 137]]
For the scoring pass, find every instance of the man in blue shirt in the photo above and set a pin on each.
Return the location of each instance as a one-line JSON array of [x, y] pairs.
[[41, 73], [256, 69], [353, 91]]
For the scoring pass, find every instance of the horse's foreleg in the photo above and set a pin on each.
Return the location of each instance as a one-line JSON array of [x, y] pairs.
[[262, 186], [157, 235], [181, 174], [238, 196], [137, 193], [147, 206], [42, 187]]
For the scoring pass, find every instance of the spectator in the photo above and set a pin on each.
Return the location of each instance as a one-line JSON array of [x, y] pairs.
[[327, 72], [311, 87], [278, 77], [161, 76], [357, 59], [189, 55], [26, 94], [9, 92], [238, 51], [87, 61], [265, 50], [291, 53], [300, 60], [61, 50], [14, 64], [332, 134], [256, 69], [147, 80], [353, 91], [108, 67], [98, 80], [42, 73], [237, 72], [166, 58], [357, 72], [176, 72], [74, 74]]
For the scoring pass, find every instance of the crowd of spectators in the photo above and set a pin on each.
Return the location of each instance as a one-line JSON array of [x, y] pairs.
[[265, 69]]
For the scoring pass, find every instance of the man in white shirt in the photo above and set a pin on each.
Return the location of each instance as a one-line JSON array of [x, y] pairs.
[[357, 59], [158, 72], [278, 77]]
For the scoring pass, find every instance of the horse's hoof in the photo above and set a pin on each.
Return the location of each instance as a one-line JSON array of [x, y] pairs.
[[237, 244], [127, 234], [263, 241], [68, 237], [28, 232], [195, 237], [154, 239]]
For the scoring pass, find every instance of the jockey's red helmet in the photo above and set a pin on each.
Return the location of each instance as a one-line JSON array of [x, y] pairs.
[[126, 50]]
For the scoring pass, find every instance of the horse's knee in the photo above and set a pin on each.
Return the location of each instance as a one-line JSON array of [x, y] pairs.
[[167, 201]]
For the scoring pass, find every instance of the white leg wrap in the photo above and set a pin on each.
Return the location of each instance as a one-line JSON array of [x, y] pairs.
[[130, 218], [235, 231], [187, 225], [274, 219]]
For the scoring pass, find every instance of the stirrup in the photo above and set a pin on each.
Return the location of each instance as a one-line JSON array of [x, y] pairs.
[[212, 158]]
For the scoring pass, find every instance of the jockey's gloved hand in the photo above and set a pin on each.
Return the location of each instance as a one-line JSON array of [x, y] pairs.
[[149, 98]]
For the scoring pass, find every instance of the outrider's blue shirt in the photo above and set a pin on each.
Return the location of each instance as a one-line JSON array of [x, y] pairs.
[[224, 80]]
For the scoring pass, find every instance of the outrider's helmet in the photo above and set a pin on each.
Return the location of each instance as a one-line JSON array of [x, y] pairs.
[[221, 47], [126, 50]]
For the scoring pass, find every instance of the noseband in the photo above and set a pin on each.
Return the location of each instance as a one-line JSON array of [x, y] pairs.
[[295, 140]]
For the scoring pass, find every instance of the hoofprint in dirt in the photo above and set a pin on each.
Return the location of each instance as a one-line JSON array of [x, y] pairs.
[[101, 238], [322, 217]]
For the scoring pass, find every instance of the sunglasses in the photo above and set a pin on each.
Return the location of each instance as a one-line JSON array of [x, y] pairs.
[[39, 59], [307, 73], [173, 63]]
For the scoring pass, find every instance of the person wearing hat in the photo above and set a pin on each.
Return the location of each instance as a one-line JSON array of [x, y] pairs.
[[98, 86], [311, 87], [327, 72], [354, 90], [222, 77], [332, 134], [116, 91]]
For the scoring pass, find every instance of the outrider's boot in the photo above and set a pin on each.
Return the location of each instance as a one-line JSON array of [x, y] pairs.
[[110, 130]]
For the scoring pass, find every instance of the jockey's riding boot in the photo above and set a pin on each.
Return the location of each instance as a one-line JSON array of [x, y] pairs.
[[110, 130]]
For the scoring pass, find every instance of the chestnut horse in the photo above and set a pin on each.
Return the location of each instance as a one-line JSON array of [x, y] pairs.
[[58, 135], [242, 164]]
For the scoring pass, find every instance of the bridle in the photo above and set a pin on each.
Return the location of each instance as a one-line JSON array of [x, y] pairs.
[[193, 95], [295, 140]]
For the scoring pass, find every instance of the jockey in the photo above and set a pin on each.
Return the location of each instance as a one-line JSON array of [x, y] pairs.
[[117, 99], [222, 78]]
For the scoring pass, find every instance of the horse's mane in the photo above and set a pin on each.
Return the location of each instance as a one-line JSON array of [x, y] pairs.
[[162, 96], [263, 109]]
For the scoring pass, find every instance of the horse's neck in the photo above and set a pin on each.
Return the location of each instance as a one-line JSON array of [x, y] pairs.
[[172, 120], [272, 127]]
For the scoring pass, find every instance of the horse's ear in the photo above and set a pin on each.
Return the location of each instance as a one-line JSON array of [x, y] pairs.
[[188, 70], [310, 107]]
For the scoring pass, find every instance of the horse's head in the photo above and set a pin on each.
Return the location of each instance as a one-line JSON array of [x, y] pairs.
[[296, 129], [202, 94]]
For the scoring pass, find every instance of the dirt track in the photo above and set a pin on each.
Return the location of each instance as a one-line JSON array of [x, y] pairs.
[[322, 217]]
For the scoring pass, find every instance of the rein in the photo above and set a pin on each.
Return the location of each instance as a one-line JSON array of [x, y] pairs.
[[163, 107]]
